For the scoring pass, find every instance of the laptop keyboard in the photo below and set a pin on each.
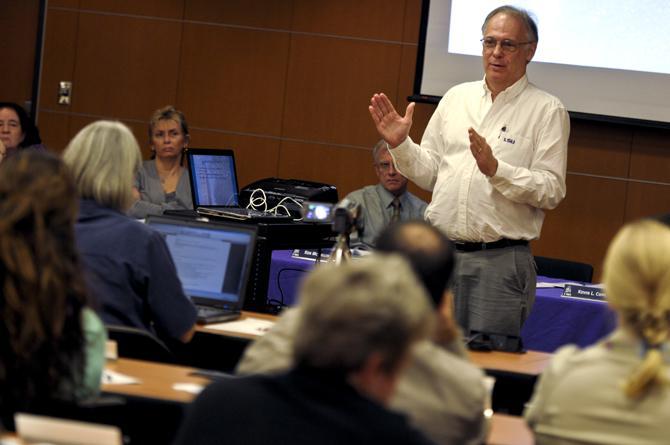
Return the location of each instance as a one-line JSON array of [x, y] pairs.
[[250, 212], [240, 213], [208, 314], [205, 311]]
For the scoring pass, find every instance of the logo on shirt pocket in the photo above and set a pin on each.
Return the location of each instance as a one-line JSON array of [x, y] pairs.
[[514, 149]]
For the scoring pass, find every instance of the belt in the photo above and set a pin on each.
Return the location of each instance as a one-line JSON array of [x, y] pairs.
[[473, 247]]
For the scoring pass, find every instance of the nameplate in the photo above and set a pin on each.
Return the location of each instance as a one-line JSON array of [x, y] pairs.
[[311, 254], [587, 292]]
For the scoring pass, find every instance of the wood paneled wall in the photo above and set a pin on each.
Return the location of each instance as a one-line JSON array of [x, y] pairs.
[[19, 23], [286, 84]]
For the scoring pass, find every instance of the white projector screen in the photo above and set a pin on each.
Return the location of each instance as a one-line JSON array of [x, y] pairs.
[[601, 58]]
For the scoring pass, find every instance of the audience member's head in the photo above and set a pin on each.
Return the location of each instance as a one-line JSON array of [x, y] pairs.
[[389, 177], [104, 158], [17, 129], [41, 340], [360, 319], [428, 250], [637, 282], [168, 133]]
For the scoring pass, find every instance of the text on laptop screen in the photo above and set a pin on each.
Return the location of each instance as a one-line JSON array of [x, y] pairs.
[[214, 180], [210, 261]]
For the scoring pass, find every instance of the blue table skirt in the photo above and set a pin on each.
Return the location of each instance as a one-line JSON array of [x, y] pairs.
[[554, 321]]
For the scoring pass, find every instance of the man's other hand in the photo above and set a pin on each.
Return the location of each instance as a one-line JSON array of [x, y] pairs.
[[483, 154]]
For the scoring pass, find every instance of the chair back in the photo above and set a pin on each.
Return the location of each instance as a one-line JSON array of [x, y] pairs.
[[566, 269], [139, 344]]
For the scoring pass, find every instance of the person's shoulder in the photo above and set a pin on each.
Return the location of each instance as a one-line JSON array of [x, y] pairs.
[[568, 358], [461, 92], [134, 232], [466, 87], [92, 212], [359, 194], [444, 363], [544, 96], [395, 428], [436, 373], [136, 227], [244, 388], [36, 147], [148, 167], [415, 199], [90, 321]]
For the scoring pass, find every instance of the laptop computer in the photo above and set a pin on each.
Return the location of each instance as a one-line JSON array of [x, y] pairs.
[[214, 186], [213, 263]]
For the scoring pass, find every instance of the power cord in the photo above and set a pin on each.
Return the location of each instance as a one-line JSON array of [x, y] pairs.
[[260, 203], [282, 302]]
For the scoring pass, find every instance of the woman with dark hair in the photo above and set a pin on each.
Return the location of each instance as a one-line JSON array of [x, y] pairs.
[[17, 129], [51, 343], [162, 183]]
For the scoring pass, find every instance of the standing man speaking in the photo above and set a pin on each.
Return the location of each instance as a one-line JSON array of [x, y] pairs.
[[494, 155]]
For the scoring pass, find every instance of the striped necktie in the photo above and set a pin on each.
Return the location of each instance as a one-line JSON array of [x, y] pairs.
[[395, 215]]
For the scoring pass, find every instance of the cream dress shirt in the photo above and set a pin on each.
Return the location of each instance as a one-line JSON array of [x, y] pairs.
[[527, 130]]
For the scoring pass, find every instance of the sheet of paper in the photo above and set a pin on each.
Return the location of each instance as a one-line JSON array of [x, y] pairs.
[[250, 326], [110, 377], [562, 284], [556, 284], [191, 388]]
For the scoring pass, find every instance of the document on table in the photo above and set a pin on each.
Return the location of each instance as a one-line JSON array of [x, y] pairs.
[[110, 377], [562, 284], [191, 388], [554, 284], [249, 326]]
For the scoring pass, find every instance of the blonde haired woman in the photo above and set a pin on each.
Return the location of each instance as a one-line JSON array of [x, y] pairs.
[[128, 266], [162, 183], [616, 392]]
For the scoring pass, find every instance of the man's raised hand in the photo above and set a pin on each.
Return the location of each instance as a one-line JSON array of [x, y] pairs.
[[392, 127]]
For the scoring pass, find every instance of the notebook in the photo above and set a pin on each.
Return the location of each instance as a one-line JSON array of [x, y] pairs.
[[214, 186], [213, 263]]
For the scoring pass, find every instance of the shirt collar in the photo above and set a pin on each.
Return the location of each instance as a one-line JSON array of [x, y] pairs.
[[510, 92], [386, 197]]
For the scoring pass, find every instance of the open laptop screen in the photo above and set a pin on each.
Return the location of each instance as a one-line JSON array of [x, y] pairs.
[[213, 178], [213, 260]]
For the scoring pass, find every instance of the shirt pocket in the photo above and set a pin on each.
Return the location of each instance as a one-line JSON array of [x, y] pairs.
[[514, 149]]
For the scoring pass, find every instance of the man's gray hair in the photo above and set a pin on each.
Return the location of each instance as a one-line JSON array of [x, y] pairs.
[[377, 150], [521, 14], [371, 305], [104, 158]]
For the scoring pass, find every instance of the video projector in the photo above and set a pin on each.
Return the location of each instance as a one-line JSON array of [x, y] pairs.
[[277, 189]]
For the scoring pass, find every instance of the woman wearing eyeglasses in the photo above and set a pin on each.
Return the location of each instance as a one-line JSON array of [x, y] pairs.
[[494, 156]]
